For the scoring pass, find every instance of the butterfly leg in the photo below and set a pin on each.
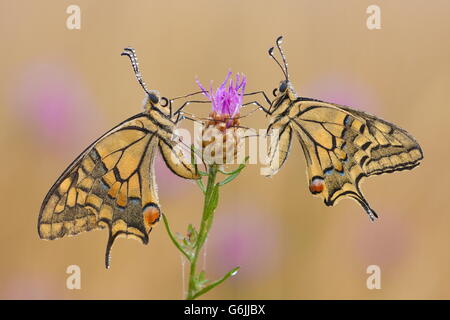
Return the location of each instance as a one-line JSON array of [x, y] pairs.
[[186, 95], [267, 111], [259, 92], [182, 97], [259, 106], [177, 113], [193, 117], [188, 116]]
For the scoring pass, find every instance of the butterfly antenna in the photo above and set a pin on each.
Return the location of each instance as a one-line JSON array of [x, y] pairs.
[[279, 64], [131, 53], [279, 42]]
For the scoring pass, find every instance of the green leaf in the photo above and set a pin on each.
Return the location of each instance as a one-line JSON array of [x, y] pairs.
[[232, 176], [201, 279], [241, 166], [175, 242], [239, 169], [192, 234], [201, 276], [216, 283], [214, 199], [191, 228], [228, 179], [201, 185]]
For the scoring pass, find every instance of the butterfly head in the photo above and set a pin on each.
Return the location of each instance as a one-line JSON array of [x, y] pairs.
[[153, 97], [153, 100], [285, 89]]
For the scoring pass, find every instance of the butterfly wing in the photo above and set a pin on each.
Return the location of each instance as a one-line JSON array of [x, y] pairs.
[[342, 146], [111, 184], [391, 148], [280, 138], [175, 160]]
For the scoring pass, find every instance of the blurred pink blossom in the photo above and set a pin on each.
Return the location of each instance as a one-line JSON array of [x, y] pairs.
[[53, 106], [244, 236], [342, 89]]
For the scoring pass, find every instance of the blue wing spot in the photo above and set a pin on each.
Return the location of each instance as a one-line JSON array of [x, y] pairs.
[[347, 120], [136, 202]]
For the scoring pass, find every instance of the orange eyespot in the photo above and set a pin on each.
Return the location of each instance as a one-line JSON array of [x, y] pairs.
[[151, 215], [316, 185]]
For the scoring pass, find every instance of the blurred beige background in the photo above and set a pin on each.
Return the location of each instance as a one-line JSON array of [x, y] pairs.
[[61, 89]]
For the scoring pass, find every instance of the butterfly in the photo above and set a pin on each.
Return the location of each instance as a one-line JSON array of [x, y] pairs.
[[111, 184], [341, 145]]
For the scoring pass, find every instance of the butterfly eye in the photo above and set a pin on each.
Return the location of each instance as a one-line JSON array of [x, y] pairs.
[[274, 92], [283, 86], [153, 98], [166, 102]]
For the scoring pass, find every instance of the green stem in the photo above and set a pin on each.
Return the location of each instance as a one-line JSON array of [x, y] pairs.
[[209, 205]]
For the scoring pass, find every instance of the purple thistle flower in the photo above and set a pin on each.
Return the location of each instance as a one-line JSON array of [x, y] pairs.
[[226, 101]]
